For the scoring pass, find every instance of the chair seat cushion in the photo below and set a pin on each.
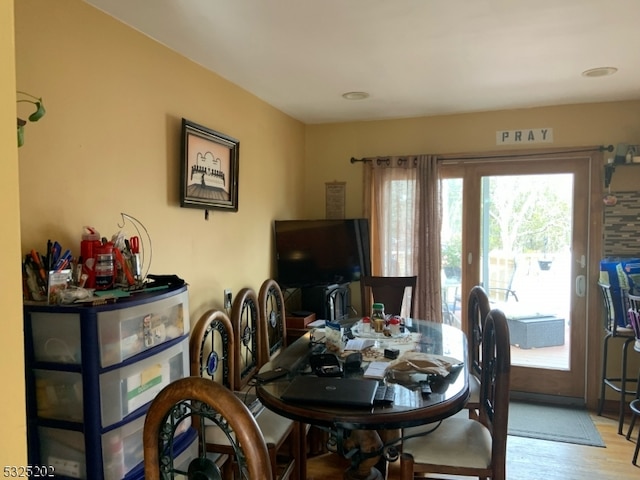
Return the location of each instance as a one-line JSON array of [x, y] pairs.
[[625, 332], [274, 429], [474, 392], [458, 441]]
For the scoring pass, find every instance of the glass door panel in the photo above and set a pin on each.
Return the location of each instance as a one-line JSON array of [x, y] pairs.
[[525, 253], [519, 229]]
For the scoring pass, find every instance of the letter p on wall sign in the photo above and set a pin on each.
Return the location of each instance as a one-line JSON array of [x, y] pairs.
[[524, 136]]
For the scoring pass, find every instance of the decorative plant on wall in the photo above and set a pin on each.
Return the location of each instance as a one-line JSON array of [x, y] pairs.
[[24, 97]]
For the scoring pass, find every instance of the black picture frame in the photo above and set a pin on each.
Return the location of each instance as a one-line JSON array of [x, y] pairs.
[[209, 168]]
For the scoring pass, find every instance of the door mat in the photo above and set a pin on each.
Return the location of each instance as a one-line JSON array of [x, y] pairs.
[[554, 423]]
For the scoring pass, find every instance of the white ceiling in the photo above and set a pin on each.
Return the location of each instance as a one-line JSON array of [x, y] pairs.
[[414, 57]]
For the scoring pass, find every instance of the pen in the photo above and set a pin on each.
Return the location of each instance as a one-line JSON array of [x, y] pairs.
[[124, 265], [63, 261], [49, 255], [38, 265], [31, 265]]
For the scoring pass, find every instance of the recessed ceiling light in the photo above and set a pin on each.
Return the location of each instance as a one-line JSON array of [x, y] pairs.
[[355, 95], [599, 72]]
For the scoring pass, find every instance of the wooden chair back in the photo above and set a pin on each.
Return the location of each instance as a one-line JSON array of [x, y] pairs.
[[273, 325], [391, 291], [478, 308], [200, 399], [494, 387], [245, 319], [212, 348], [467, 446]]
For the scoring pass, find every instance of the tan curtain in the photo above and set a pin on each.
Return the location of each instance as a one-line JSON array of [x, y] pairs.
[[402, 202]]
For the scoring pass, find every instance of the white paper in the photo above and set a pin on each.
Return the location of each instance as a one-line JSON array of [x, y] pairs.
[[359, 344], [376, 370]]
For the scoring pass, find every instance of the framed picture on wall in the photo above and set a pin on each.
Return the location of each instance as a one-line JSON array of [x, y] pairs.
[[209, 168]]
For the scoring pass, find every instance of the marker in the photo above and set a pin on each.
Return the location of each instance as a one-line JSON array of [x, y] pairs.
[[63, 261], [38, 264]]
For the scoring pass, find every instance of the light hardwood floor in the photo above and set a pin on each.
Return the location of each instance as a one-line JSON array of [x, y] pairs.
[[530, 459]]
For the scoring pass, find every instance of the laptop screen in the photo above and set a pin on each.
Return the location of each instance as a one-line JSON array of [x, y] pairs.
[[334, 391]]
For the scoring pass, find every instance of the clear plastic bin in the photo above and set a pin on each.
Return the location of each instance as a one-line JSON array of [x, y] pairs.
[[122, 449], [186, 449], [124, 390], [56, 337], [127, 332], [59, 395]]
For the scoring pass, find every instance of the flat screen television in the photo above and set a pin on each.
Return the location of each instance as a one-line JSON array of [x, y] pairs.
[[321, 252]]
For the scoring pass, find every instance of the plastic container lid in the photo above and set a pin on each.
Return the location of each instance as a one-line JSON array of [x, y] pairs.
[[378, 306]]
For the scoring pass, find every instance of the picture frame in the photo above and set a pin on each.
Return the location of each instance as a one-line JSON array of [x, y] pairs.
[[209, 168]]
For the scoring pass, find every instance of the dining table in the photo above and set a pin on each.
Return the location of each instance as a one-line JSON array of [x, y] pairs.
[[370, 436]]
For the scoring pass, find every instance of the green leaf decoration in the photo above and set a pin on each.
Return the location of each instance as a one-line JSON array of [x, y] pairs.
[[39, 113]]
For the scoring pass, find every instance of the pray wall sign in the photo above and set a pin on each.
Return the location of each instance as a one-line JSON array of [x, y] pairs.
[[525, 136]]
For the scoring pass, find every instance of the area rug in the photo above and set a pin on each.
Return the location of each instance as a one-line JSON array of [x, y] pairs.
[[554, 423]]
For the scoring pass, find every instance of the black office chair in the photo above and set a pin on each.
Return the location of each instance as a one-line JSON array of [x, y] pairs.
[[391, 291], [613, 330]]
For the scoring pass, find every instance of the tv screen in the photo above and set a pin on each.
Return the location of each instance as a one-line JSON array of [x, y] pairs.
[[321, 252]]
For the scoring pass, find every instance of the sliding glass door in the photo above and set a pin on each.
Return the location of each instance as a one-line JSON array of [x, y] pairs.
[[520, 229]]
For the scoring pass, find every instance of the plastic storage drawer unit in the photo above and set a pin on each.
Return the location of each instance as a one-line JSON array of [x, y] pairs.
[[122, 449], [125, 389], [130, 331]]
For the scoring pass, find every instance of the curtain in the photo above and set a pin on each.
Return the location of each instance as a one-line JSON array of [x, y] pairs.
[[402, 203]]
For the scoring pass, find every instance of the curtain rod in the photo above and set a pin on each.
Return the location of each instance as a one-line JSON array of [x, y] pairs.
[[601, 148]]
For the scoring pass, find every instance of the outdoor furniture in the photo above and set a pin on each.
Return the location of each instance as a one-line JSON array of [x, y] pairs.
[[536, 331]]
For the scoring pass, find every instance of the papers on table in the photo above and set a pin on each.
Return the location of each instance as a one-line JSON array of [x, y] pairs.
[[359, 344], [376, 370]]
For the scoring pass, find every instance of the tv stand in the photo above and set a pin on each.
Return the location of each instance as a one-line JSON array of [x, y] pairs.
[[329, 302]]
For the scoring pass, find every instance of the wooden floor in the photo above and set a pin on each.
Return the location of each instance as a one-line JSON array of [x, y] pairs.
[[530, 459]]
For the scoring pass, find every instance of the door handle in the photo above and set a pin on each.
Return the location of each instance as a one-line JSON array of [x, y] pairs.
[[581, 285]]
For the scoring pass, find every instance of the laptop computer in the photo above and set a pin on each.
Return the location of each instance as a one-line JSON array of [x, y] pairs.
[[332, 391]]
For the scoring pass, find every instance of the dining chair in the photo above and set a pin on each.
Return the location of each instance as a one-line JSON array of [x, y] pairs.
[[612, 330], [466, 446], [478, 308], [245, 319], [273, 331], [211, 356], [390, 291], [280, 433], [199, 399]]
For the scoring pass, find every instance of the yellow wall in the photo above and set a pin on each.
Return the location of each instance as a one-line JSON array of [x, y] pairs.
[[13, 447], [110, 143], [329, 147]]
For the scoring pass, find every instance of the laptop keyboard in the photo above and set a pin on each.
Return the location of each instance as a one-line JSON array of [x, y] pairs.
[[384, 394]]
